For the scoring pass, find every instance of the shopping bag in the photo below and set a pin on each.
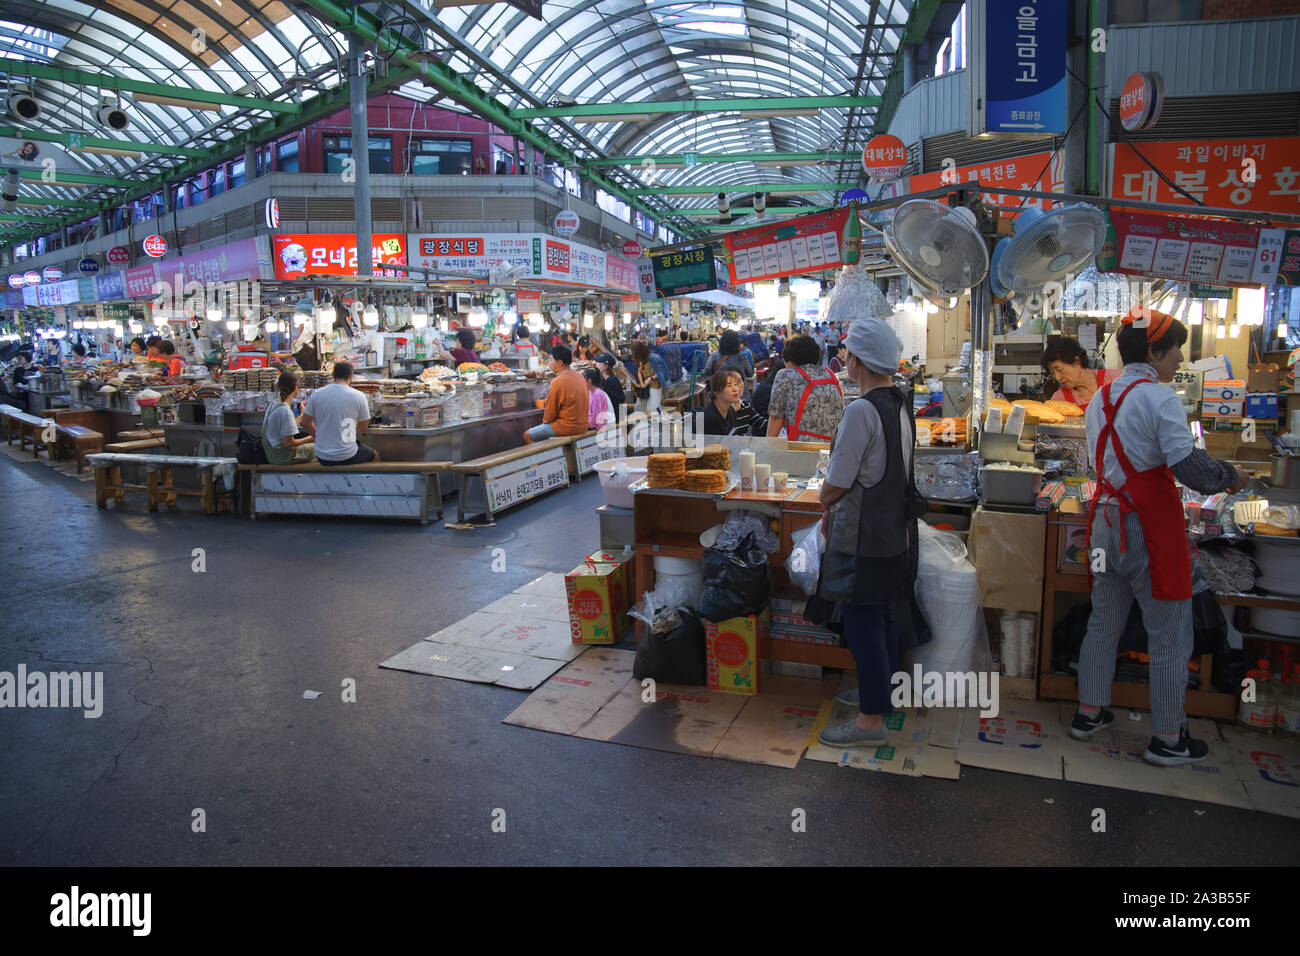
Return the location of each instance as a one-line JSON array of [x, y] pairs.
[[804, 563]]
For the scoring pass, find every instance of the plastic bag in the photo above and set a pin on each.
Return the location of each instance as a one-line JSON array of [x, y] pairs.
[[947, 590], [672, 650], [668, 593], [741, 523], [735, 582], [804, 563]]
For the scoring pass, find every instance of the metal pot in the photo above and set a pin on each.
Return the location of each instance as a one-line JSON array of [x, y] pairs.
[[1286, 471]]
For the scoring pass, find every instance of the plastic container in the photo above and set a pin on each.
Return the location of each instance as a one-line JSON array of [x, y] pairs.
[[689, 572], [1286, 718], [614, 481], [1011, 486], [1255, 718]]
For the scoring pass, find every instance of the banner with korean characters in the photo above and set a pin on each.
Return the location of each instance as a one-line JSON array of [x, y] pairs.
[[298, 255], [527, 301], [1204, 250], [594, 449], [474, 255], [1278, 258], [685, 271], [516, 481], [621, 273], [793, 247], [1261, 174], [1039, 172]]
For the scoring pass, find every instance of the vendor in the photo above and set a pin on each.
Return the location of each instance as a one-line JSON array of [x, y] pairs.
[[871, 504], [611, 381], [138, 351], [465, 351], [175, 364], [22, 370], [806, 397], [524, 344], [1067, 362], [282, 439], [1138, 443], [728, 414]]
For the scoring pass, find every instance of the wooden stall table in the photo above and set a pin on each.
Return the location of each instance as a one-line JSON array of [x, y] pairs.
[[670, 524]]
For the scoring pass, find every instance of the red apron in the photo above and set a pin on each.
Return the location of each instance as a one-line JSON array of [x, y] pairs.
[[792, 432], [1154, 496]]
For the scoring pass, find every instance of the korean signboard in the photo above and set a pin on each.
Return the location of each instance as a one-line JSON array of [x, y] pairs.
[[298, 255], [1261, 174], [680, 273], [884, 158], [1040, 172], [1204, 250], [1018, 86], [805, 244], [546, 258], [512, 483], [620, 273]]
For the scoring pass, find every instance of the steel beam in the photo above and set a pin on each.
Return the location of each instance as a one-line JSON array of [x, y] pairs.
[[95, 142], [770, 188], [740, 104], [106, 81], [702, 158]]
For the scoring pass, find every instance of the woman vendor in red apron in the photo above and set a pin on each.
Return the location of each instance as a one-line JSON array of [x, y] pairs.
[[1067, 362], [1139, 442], [806, 397]]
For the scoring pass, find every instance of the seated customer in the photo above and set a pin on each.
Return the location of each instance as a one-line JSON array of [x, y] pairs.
[[763, 393], [727, 414], [611, 381], [567, 401], [336, 414], [281, 439], [599, 410]]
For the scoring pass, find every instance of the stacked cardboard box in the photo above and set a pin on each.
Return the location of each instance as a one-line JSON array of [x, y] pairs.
[[733, 653], [788, 623]]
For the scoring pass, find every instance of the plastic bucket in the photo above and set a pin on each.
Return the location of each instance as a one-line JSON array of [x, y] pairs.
[[687, 571], [615, 488]]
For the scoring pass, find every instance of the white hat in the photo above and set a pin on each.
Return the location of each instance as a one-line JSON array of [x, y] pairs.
[[875, 344]]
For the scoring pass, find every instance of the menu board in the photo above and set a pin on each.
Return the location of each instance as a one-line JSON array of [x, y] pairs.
[[796, 246], [1203, 250]]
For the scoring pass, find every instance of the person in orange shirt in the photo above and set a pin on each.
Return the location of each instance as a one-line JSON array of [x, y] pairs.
[[567, 401], [167, 352]]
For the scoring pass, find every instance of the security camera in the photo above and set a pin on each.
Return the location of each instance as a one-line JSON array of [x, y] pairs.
[[9, 193], [724, 206], [22, 105], [760, 202], [112, 115]]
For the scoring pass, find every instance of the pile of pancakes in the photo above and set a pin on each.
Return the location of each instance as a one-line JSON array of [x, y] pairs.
[[666, 471], [715, 457], [711, 480]]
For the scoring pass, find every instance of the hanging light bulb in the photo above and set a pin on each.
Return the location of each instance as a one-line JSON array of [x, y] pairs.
[[609, 321], [370, 316], [1221, 332], [1235, 331], [215, 315], [627, 318], [232, 325], [588, 320], [1281, 329], [272, 327], [1195, 313], [443, 325], [420, 317], [930, 307]]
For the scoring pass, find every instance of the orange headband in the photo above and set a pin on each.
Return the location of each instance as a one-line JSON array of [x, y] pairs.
[[1158, 323]]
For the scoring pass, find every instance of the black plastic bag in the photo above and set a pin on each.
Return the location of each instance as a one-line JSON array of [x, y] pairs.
[[674, 656], [735, 582], [248, 448]]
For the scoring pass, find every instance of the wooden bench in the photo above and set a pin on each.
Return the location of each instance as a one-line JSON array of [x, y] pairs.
[[130, 447], [495, 482], [80, 441], [39, 431], [159, 486], [375, 490]]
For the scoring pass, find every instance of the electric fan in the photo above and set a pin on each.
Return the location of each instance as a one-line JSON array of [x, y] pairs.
[[1046, 247], [939, 246]]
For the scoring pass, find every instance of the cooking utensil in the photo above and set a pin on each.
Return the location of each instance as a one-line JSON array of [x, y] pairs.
[[1286, 471]]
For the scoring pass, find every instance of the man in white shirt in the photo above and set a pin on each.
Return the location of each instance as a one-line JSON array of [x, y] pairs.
[[335, 415]]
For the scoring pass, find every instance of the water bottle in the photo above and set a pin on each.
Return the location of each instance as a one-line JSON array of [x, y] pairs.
[[1255, 718], [410, 418]]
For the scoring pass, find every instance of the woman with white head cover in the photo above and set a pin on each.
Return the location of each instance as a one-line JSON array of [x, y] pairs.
[[871, 506]]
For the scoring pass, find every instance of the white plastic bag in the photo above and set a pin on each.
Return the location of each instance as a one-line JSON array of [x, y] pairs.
[[668, 593], [947, 589], [804, 563]]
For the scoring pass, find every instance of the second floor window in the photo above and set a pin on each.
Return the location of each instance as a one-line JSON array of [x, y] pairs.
[[442, 157], [286, 156], [339, 148]]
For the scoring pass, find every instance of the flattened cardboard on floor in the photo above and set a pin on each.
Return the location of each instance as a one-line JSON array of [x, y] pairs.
[[529, 607], [1112, 757], [1269, 769], [550, 585], [1024, 738], [477, 664], [683, 719], [534, 637], [908, 735], [477, 630], [773, 727], [573, 696]]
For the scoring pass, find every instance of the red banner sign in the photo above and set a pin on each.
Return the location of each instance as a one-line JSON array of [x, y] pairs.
[[1261, 174], [526, 301], [303, 254], [1199, 250], [1039, 172], [793, 247]]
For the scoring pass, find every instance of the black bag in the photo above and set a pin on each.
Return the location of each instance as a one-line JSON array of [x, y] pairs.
[[735, 582], [248, 448], [675, 656], [643, 393]]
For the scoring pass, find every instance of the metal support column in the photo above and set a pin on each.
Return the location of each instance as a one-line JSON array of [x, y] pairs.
[[360, 152], [250, 162]]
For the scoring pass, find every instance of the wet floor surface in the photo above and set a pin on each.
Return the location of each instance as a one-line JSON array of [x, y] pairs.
[[203, 709]]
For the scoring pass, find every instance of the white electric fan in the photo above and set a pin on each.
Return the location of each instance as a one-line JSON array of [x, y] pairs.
[[1046, 248], [938, 246]]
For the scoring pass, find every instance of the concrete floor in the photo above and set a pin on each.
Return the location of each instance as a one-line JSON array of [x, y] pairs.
[[204, 675]]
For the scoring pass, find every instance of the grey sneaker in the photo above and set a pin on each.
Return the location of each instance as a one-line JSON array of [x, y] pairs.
[[848, 697], [850, 735]]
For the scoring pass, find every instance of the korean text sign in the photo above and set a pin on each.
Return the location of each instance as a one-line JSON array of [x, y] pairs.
[[1261, 174]]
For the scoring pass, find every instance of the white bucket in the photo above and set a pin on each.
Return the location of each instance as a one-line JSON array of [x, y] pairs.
[[689, 572]]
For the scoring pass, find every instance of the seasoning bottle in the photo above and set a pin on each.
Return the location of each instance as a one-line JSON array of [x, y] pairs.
[[1287, 715], [1255, 718]]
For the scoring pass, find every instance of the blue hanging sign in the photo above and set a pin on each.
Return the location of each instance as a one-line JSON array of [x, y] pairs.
[[1024, 67]]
